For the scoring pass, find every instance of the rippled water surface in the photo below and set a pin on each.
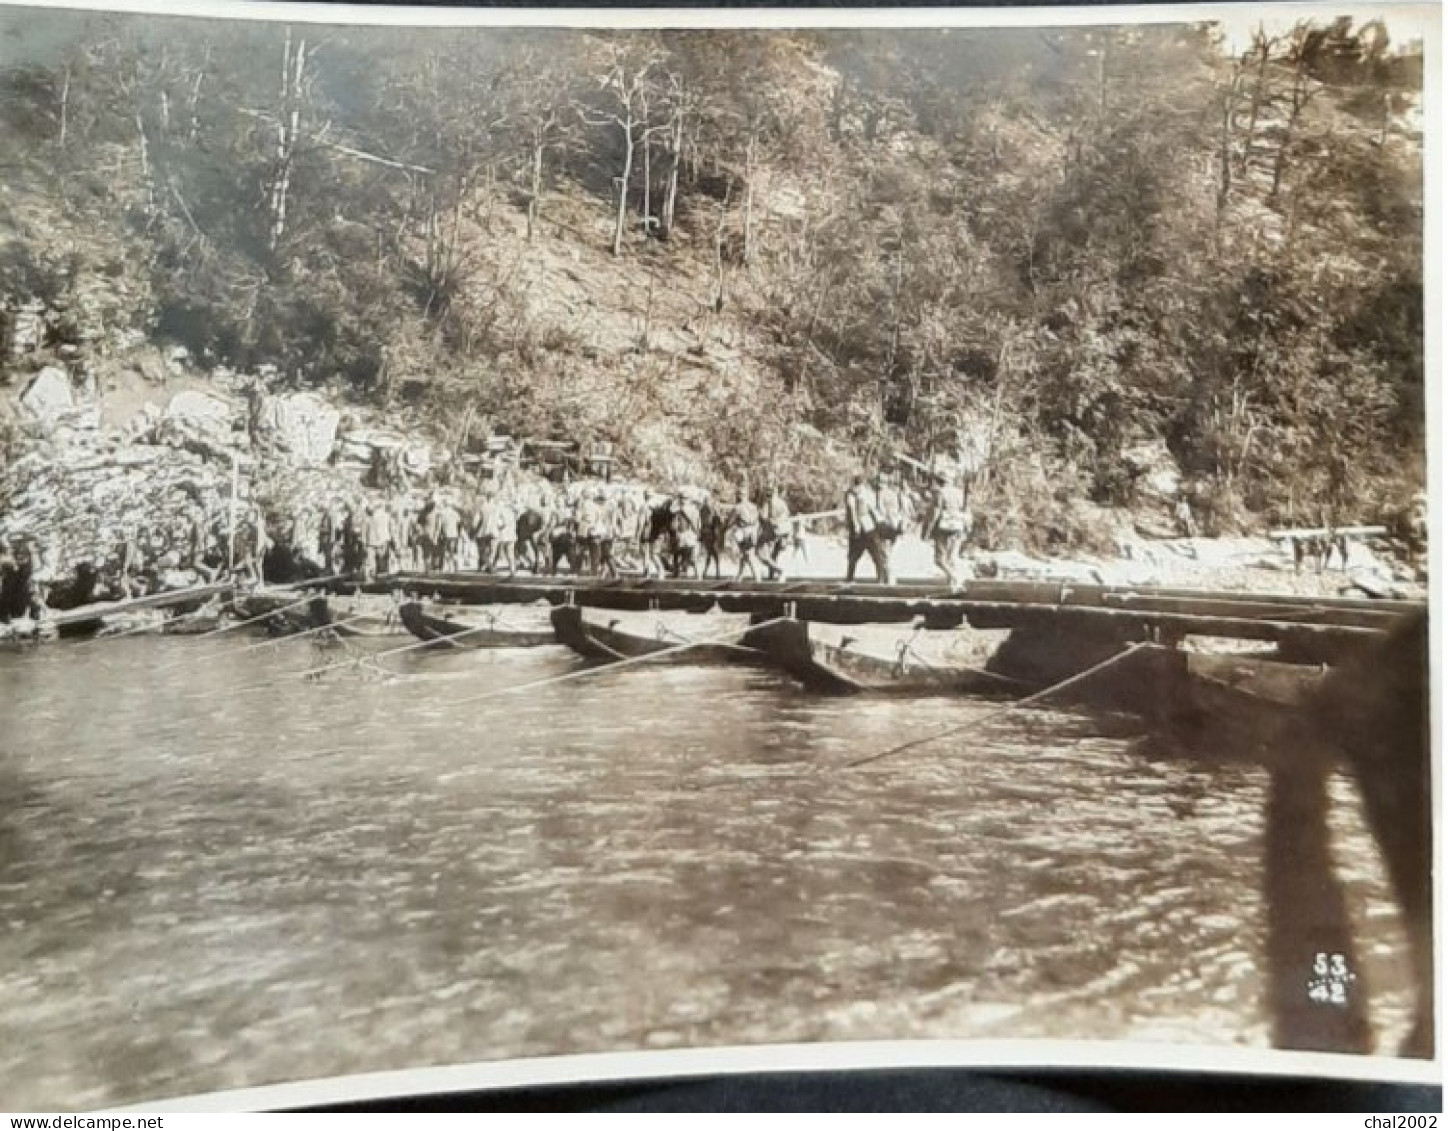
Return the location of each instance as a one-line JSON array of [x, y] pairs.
[[203, 887]]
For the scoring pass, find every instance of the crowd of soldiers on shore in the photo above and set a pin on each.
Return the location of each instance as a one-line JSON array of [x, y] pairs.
[[605, 529], [513, 523]]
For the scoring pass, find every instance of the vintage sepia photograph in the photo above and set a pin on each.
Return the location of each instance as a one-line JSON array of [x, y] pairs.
[[522, 539]]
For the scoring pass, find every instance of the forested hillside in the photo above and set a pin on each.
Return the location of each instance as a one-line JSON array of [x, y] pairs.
[[794, 251]]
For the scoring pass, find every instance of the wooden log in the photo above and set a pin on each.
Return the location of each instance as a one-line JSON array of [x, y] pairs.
[[167, 600]]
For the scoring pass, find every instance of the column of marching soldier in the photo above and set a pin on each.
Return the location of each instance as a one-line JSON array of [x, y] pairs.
[[514, 523]]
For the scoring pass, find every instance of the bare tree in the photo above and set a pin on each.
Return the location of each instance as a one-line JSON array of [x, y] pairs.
[[675, 130], [289, 124], [628, 83], [64, 105], [1299, 96], [541, 133], [1259, 57], [1230, 96]]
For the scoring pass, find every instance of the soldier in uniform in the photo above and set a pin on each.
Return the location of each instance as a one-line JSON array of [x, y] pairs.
[[892, 509], [947, 525], [503, 533], [744, 533], [595, 529], [776, 534], [686, 523], [449, 531], [199, 543], [376, 540], [861, 522]]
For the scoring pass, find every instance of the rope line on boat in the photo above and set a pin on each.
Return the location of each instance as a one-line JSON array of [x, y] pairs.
[[496, 620], [597, 643], [1094, 669], [435, 642], [208, 606], [274, 680], [438, 641], [677, 635], [615, 665], [260, 617], [323, 669], [908, 648], [149, 626], [270, 642]]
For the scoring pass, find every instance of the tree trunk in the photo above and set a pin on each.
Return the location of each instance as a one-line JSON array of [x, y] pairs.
[[65, 106], [536, 188], [193, 123], [623, 180], [1300, 98], [144, 149], [1289, 242], [671, 194], [293, 65], [1224, 183], [1259, 89], [643, 340], [895, 309], [648, 182], [747, 252], [1101, 77], [719, 269]]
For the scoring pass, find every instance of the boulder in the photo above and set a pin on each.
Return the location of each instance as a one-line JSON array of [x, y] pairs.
[[199, 423], [143, 423], [358, 446], [303, 426], [151, 368], [48, 395], [27, 328], [201, 413], [1155, 469]]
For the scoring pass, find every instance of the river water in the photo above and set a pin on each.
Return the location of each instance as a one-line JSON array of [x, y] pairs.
[[215, 874]]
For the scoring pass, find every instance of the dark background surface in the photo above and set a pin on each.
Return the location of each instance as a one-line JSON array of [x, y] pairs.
[[941, 1090], [1045, 1090]]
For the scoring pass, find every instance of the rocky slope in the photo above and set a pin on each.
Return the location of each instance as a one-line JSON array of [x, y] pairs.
[[95, 452]]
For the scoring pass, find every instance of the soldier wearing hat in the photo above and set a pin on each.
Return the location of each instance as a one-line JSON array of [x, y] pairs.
[[862, 526], [947, 525]]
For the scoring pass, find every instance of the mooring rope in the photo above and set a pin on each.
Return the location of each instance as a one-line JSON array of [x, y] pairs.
[[260, 617], [270, 642], [282, 676], [435, 642], [207, 606], [149, 626], [1130, 649], [374, 657], [615, 665], [677, 635], [908, 648]]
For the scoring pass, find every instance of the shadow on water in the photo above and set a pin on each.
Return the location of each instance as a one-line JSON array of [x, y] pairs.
[[1370, 719], [1373, 716]]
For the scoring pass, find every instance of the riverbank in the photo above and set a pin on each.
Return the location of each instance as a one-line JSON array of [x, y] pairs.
[[1245, 564], [127, 456]]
